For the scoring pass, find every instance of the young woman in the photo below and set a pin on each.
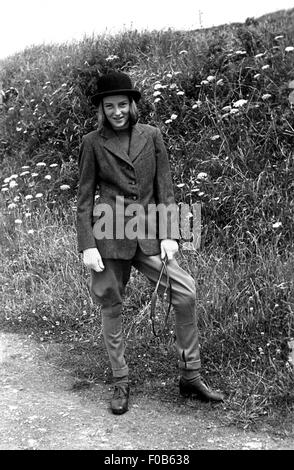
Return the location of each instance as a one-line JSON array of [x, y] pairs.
[[129, 163]]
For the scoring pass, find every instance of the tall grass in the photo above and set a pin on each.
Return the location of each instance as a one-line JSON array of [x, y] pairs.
[[220, 97]]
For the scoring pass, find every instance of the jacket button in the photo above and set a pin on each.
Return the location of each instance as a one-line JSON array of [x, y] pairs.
[[135, 198]]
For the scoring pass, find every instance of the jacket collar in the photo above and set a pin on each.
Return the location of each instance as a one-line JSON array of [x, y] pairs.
[[112, 143]]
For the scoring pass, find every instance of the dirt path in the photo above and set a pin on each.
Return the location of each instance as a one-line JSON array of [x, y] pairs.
[[40, 409]]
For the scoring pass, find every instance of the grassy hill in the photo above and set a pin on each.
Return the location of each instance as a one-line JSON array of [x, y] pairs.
[[221, 98]]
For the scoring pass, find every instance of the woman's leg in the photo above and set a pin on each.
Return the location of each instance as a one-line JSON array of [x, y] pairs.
[[107, 288], [183, 300]]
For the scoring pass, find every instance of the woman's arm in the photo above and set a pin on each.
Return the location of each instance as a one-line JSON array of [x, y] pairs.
[[88, 179], [169, 221], [163, 179]]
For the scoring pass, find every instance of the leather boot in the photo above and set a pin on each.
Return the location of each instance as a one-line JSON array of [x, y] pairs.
[[198, 389], [120, 400]]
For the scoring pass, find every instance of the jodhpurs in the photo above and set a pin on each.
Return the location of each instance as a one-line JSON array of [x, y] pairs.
[[107, 288]]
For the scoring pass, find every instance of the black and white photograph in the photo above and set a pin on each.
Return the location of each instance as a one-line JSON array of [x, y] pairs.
[[146, 228]]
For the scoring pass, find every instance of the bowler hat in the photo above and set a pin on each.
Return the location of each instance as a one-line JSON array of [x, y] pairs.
[[114, 83]]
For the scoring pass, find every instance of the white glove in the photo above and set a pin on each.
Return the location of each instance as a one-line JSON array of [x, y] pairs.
[[169, 248], [92, 259]]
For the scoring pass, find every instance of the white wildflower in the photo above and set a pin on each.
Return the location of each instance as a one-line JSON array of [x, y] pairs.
[[289, 49], [256, 76], [220, 81], [38, 195], [234, 111], [23, 173], [180, 93], [41, 164], [183, 52], [64, 187], [157, 93], [204, 82], [215, 137], [265, 67], [197, 104], [53, 165], [277, 224], [157, 86], [157, 100], [47, 177], [266, 96], [25, 167], [226, 109], [202, 176], [28, 214], [16, 198], [31, 231], [28, 197], [34, 175], [174, 117], [12, 184], [4, 190], [240, 103], [7, 180], [279, 37], [111, 57], [173, 86], [169, 75], [180, 185], [18, 221], [168, 121], [259, 55], [210, 78], [12, 205], [240, 52], [14, 176]]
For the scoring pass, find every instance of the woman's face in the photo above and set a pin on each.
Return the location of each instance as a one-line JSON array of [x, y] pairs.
[[117, 111]]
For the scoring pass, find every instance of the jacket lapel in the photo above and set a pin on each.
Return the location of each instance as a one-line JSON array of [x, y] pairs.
[[112, 144], [138, 142]]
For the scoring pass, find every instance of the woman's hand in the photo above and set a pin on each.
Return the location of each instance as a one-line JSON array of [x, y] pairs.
[[168, 248], [92, 259]]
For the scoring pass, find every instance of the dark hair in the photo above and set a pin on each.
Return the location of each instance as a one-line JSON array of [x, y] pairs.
[[102, 119]]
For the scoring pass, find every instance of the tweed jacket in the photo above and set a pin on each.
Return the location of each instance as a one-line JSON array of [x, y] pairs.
[[142, 176]]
